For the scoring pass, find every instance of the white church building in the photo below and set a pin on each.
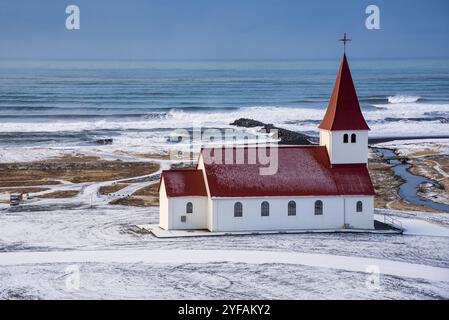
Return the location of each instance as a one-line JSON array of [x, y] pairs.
[[315, 187]]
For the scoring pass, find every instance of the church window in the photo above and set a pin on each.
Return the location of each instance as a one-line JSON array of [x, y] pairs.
[[318, 208], [238, 209], [189, 207], [265, 209], [183, 218], [345, 138], [292, 208], [353, 138], [359, 206]]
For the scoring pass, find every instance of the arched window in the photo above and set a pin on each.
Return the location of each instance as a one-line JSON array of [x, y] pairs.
[[292, 208], [353, 138], [238, 209], [318, 207], [265, 209], [345, 138], [189, 207], [359, 206]]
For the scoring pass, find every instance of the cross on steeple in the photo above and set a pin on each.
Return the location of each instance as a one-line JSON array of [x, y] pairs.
[[344, 40]]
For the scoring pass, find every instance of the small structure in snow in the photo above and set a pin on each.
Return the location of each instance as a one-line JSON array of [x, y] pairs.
[[15, 198]]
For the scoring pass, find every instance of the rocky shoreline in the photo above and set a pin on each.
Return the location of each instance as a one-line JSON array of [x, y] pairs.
[[286, 137]]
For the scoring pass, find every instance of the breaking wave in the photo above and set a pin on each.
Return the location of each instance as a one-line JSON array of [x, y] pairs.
[[403, 99]]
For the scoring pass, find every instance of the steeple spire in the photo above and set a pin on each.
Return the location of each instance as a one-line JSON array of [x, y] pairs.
[[343, 111]]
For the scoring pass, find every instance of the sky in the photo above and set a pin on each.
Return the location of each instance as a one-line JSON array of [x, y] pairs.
[[222, 29]]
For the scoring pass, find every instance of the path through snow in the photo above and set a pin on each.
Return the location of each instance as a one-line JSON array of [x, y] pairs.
[[355, 264]]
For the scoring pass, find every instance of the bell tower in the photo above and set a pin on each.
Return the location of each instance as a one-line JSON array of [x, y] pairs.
[[343, 129]]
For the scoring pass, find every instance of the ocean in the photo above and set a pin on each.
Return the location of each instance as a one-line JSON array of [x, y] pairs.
[[138, 103]]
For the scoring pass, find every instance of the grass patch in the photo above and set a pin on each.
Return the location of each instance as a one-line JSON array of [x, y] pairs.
[[145, 197], [27, 183], [76, 172], [76, 158], [105, 190], [149, 191], [23, 190], [155, 156], [134, 202]]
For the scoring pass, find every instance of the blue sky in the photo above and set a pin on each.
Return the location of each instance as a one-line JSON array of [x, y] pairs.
[[225, 29]]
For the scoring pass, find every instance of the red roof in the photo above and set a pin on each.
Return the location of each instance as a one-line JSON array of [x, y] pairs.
[[182, 183], [302, 171], [343, 111]]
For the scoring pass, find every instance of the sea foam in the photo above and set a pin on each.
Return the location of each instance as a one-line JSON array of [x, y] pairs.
[[403, 99]]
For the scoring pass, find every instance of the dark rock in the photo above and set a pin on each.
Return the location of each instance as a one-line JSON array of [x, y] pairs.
[[247, 123], [104, 141], [418, 119], [287, 137]]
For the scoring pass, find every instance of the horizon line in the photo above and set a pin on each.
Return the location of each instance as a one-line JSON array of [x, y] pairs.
[[220, 59]]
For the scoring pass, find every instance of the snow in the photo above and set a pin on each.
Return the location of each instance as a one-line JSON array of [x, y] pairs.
[[176, 256], [207, 281], [441, 219], [13, 155], [117, 261], [406, 147], [423, 228], [420, 227]]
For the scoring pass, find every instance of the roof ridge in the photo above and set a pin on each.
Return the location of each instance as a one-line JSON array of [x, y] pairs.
[[276, 146]]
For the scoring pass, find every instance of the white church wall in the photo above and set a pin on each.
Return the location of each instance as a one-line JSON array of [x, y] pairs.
[[325, 140], [195, 220], [360, 220], [163, 207], [210, 215], [341, 152], [305, 218]]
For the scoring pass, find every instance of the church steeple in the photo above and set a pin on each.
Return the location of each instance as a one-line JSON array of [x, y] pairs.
[[343, 111], [344, 130]]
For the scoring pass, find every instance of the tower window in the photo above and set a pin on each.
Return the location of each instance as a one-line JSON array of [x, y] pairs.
[[265, 209], [318, 208], [359, 206], [238, 209], [345, 138], [292, 208], [353, 138], [189, 207]]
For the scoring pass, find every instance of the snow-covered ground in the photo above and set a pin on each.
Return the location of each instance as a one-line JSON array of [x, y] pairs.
[[88, 195], [46, 244], [407, 147], [41, 251]]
